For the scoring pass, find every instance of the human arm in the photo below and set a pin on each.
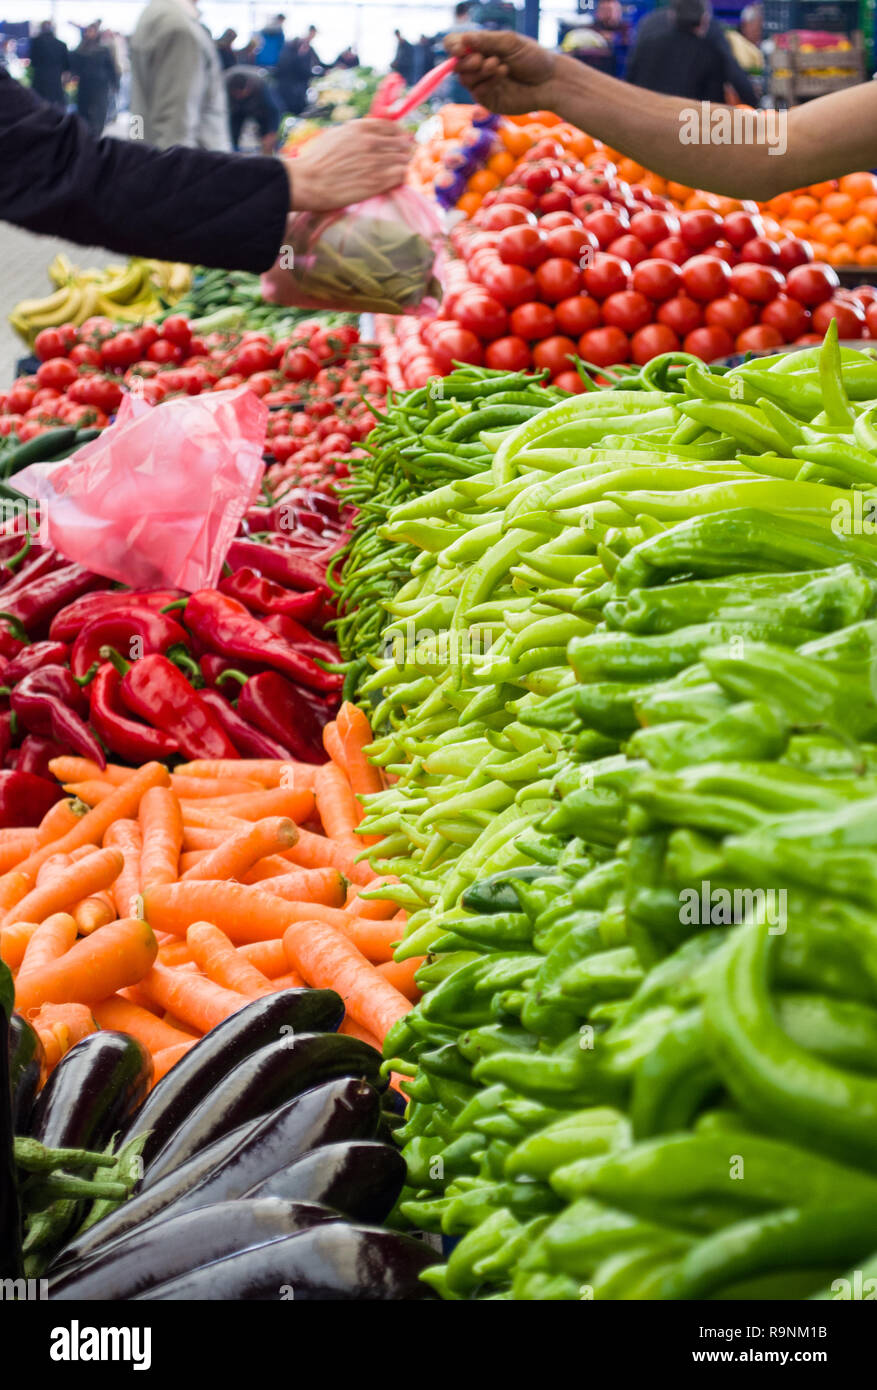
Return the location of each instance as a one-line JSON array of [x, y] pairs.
[[822, 139]]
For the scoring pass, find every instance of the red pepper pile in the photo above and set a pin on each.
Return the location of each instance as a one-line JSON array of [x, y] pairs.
[[90, 670]]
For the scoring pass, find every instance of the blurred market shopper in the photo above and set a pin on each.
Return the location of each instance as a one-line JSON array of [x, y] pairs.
[[657, 24], [225, 48], [179, 204], [272, 39], [94, 66], [680, 61], [250, 99], [49, 60], [176, 78], [296, 65], [823, 139]]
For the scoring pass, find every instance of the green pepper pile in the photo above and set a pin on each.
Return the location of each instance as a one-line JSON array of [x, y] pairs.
[[636, 836]]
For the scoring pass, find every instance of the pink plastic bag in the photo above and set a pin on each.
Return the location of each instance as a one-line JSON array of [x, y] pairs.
[[158, 498], [382, 256]]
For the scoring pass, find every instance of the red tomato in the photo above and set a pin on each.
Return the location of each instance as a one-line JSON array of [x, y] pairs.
[[534, 320], [503, 215], [552, 220], [590, 202], [481, 314], [558, 278], [700, 229], [627, 310], [226, 383], [19, 398], [10, 424], [706, 278], [604, 346], [539, 176], [554, 353], [49, 343], [849, 314], [106, 394], [672, 248], [571, 243], [811, 284], [760, 337], [254, 357], [794, 251], [569, 381], [260, 382], [558, 198], [510, 284], [456, 344], [607, 275], [57, 372], [740, 227], [83, 355], [652, 227], [709, 343], [761, 250], [122, 350], [300, 365], [577, 315], [147, 334], [47, 395], [606, 225], [176, 330], [732, 312], [507, 355], [651, 341], [866, 294], [629, 248], [787, 316], [522, 246], [724, 251], [657, 279], [282, 446], [757, 283], [681, 314], [163, 351], [871, 318], [521, 197]]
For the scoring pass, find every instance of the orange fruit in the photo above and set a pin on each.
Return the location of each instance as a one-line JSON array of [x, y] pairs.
[[821, 190], [839, 206], [515, 140], [780, 206], [867, 255], [804, 207], [841, 254], [821, 219], [793, 227], [860, 230], [771, 227], [502, 163], [859, 186], [699, 200], [629, 170], [469, 203], [820, 250], [678, 191], [831, 233], [482, 181], [654, 183], [581, 145], [868, 206]]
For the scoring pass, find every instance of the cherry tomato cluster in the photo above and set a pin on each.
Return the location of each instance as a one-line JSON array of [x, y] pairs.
[[320, 382], [563, 260]]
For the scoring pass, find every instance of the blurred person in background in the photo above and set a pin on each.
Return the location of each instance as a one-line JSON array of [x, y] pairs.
[[680, 61], [250, 98], [404, 59], [272, 39], [424, 56], [247, 54], [49, 60], [347, 58], [297, 64], [94, 66], [176, 78], [225, 48], [452, 89], [745, 41], [658, 22]]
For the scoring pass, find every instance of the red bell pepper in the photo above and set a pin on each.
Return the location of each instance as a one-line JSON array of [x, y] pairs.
[[36, 753], [283, 566], [247, 739], [224, 626], [298, 636], [50, 703], [25, 799], [134, 630], [280, 710], [35, 605], [67, 624], [126, 737], [32, 658], [155, 689], [262, 595]]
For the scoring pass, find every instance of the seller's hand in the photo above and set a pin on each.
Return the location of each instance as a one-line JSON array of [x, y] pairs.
[[503, 71], [354, 161]]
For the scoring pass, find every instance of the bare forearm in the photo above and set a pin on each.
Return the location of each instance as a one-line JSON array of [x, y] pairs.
[[680, 140]]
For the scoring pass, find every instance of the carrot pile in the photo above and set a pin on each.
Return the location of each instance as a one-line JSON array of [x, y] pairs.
[[159, 903]]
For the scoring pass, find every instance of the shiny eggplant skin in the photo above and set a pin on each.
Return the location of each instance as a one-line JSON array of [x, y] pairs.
[[361, 1179], [144, 1206], [267, 1079], [262, 1022], [92, 1092], [334, 1261], [25, 1061], [181, 1243]]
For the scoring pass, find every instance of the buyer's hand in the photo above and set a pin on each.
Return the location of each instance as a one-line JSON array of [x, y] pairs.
[[348, 164], [503, 71]]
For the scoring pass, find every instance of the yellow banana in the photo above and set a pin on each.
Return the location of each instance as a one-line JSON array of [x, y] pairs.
[[28, 307], [89, 295], [125, 288]]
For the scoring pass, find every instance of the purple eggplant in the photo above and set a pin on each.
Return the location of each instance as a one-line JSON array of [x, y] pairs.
[[333, 1261], [25, 1061], [275, 1016], [270, 1077], [92, 1093], [359, 1178], [182, 1243]]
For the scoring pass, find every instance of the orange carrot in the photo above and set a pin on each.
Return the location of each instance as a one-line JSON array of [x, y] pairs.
[[94, 911], [353, 1030], [51, 868], [168, 1057], [67, 769], [14, 941], [333, 745], [190, 857], [161, 826], [95, 967], [51, 940], [372, 907], [239, 853], [264, 770], [17, 845], [13, 887], [92, 792], [324, 886], [280, 801], [205, 788], [90, 875], [60, 818], [299, 775], [270, 867], [207, 837], [173, 1022], [291, 980], [122, 1015], [336, 806], [355, 733], [219, 960], [200, 1003], [174, 951], [329, 960], [59, 1027], [317, 852], [91, 829], [125, 835], [400, 974], [268, 957]]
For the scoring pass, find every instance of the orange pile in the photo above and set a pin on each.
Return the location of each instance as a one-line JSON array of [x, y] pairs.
[[838, 218]]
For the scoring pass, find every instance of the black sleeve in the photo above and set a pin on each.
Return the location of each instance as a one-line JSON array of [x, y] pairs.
[[732, 73], [179, 204]]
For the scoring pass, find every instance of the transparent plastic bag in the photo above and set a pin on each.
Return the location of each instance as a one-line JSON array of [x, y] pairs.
[[382, 256], [158, 498]]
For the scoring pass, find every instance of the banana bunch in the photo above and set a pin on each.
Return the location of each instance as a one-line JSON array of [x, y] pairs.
[[128, 293]]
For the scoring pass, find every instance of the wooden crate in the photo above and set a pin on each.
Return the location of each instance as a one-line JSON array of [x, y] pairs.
[[797, 76]]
